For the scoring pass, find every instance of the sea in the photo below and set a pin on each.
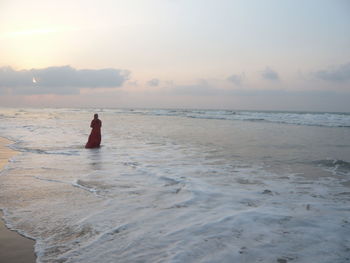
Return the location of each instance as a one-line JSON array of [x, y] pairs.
[[179, 185]]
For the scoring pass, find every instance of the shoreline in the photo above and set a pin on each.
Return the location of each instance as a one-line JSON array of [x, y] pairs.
[[14, 248]]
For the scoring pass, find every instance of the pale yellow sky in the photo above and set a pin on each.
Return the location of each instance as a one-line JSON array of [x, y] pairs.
[[265, 45]]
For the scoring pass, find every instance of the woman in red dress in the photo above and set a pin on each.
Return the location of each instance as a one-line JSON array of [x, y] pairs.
[[95, 135]]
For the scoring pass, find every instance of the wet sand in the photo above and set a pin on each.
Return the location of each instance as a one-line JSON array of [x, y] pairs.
[[14, 248]]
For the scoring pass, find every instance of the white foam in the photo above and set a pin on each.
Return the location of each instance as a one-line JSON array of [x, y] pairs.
[[298, 118]]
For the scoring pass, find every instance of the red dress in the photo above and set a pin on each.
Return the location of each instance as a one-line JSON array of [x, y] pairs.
[[95, 135]]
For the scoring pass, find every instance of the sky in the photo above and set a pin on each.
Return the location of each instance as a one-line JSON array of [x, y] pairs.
[[213, 54]]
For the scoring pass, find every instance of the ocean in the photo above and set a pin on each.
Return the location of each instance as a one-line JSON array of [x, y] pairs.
[[177, 185]]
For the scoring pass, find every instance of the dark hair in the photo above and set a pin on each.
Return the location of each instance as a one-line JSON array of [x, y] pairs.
[[95, 115]]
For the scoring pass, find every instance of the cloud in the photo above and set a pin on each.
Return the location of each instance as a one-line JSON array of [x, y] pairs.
[[236, 79], [208, 88], [194, 90], [202, 88], [153, 82], [270, 74], [60, 80], [340, 74]]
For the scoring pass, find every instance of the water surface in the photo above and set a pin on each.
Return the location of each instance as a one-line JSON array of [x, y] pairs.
[[179, 185]]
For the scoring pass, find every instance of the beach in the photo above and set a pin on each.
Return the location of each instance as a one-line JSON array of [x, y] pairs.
[[14, 248]]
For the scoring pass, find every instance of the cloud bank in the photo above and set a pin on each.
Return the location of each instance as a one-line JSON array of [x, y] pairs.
[[194, 90], [340, 74], [270, 74], [236, 79], [60, 80], [153, 82]]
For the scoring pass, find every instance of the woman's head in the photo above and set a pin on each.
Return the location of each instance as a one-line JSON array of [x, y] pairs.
[[95, 116]]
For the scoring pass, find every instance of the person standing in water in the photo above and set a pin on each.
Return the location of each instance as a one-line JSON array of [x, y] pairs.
[[95, 135]]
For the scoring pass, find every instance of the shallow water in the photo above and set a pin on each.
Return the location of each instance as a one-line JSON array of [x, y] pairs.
[[169, 186]]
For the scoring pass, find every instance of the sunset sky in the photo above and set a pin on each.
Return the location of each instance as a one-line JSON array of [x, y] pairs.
[[249, 54]]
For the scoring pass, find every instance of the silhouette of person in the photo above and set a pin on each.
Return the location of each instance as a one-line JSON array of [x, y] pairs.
[[95, 135]]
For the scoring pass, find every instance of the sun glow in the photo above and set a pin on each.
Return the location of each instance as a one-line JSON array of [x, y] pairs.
[[30, 32], [37, 31], [34, 47]]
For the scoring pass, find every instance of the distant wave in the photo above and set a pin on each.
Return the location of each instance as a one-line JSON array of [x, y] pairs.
[[334, 163], [298, 118], [339, 167], [324, 119]]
